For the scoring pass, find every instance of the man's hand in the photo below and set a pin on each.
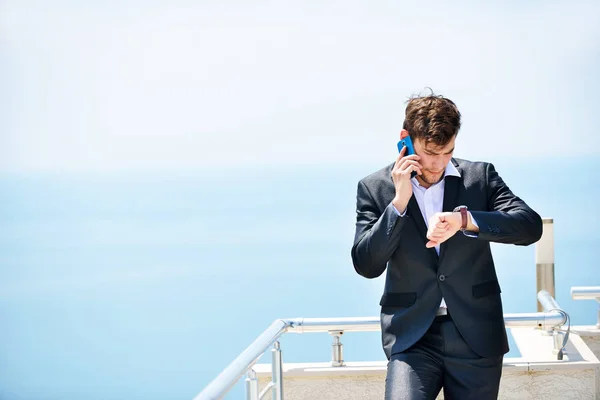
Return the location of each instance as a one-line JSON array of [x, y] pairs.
[[442, 226], [401, 176]]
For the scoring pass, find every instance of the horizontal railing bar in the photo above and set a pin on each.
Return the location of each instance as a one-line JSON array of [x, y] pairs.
[[585, 292], [230, 375], [349, 324], [543, 320], [372, 324]]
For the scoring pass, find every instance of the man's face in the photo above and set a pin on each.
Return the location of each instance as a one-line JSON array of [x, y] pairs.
[[433, 160]]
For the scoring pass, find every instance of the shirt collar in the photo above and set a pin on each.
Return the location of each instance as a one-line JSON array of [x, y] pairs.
[[451, 170]]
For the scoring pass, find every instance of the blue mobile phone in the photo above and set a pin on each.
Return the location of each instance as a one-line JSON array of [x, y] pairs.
[[407, 142]]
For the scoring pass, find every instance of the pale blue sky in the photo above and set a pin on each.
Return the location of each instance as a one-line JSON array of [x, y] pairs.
[[186, 85]]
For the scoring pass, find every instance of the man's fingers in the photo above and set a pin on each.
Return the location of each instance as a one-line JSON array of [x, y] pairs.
[[437, 238], [437, 231], [440, 230], [407, 167], [400, 156], [438, 235], [415, 169], [435, 219], [408, 163]]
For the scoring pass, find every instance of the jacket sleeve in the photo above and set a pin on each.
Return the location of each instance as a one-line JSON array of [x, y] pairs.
[[376, 236], [509, 219]]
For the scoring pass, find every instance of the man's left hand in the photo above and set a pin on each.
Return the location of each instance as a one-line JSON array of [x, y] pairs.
[[442, 226]]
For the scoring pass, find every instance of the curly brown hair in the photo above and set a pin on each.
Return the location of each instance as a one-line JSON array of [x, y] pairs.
[[432, 119]]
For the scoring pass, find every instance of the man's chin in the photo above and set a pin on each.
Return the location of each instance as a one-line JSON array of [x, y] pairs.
[[431, 179]]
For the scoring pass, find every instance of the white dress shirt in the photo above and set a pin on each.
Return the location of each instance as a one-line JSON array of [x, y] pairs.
[[431, 200]]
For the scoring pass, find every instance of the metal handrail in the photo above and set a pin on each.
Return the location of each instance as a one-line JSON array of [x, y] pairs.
[[587, 293], [547, 301], [230, 375], [551, 318], [346, 324]]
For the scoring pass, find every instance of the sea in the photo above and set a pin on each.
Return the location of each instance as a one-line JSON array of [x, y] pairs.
[[146, 285]]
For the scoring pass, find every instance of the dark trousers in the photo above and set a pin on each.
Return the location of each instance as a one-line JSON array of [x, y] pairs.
[[442, 359]]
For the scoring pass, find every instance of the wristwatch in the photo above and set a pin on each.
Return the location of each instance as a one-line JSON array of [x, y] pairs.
[[463, 216]]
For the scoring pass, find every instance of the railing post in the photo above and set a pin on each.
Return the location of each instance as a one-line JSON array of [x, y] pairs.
[[337, 349], [544, 260], [277, 372], [558, 341], [252, 392]]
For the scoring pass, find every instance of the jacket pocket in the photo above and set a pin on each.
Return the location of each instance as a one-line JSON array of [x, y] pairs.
[[486, 289], [398, 299]]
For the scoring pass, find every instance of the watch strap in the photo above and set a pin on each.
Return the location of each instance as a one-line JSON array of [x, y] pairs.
[[463, 215]]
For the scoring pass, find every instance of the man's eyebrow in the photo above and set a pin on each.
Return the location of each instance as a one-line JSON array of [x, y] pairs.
[[436, 154]]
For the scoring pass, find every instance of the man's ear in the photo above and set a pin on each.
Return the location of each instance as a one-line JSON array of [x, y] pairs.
[[403, 134]]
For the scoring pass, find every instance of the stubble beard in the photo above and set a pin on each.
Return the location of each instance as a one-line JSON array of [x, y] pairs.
[[431, 181]]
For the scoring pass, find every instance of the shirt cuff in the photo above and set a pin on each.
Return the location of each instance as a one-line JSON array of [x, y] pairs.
[[469, 233], [404, 213], [473, 220]]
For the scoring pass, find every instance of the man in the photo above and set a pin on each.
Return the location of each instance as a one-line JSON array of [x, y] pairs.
[[441, 313]]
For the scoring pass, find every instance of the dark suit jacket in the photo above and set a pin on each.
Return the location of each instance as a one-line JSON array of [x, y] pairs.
[[464, 273]]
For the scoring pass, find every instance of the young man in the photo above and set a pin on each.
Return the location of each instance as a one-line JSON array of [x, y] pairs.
[[441, 314]]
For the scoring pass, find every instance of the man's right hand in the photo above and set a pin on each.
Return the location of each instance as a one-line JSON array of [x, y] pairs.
[[401, 176]]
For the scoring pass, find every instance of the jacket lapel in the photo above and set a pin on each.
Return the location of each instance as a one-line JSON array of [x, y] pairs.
[[414, 212], [417, 216], [451, 191]]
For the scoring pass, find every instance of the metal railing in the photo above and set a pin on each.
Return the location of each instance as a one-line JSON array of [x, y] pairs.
[[587, 293], [550, 320], [544, 259]]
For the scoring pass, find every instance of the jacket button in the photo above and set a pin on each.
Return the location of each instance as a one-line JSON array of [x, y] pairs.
[[442, 278]]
